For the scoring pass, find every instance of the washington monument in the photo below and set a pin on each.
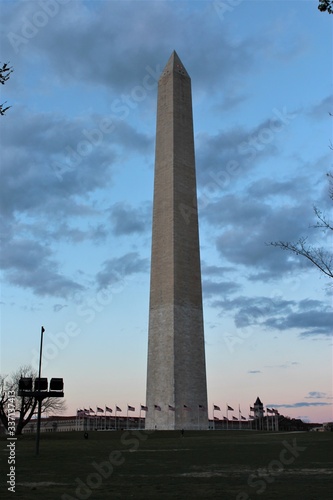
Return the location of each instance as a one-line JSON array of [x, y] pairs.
[[176, 374]]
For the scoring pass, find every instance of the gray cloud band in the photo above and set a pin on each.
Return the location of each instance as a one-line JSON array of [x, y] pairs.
[[121, 108], [32, 25]]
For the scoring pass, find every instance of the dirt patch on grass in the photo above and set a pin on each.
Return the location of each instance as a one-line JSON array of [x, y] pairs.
[[41, 484], [154, 451], [242, 471]]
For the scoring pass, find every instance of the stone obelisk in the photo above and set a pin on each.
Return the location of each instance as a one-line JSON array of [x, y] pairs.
[[176, 374]]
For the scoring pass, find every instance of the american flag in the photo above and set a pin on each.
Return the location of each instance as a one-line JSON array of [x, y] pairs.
[[130, 408], [117, 408], [229, 408], [187, 408], [201, 407], [217, 408], [144, 408], [157, 407], [99, 409], [108, 409], [171, 408]]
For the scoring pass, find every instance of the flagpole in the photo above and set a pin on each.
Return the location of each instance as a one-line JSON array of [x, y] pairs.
[[227, 415], [213, 418]]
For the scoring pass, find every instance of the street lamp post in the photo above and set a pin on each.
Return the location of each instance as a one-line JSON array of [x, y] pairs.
[[41, 390]]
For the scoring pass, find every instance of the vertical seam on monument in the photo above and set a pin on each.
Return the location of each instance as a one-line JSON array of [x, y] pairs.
[[173, 225]]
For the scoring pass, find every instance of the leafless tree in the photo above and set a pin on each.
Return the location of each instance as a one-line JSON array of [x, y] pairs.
[[318, 256]]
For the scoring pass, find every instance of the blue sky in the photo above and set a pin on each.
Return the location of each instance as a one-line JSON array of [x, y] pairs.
[[77, 170]]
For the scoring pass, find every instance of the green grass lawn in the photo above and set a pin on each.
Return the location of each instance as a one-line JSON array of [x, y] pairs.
[[239, 465]]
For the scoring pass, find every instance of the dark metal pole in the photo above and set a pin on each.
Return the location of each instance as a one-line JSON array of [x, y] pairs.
[[39, 395]]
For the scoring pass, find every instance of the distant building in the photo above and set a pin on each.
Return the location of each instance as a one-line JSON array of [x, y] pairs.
[[258, 408], [84, 423], [92, 423], [258, 415]]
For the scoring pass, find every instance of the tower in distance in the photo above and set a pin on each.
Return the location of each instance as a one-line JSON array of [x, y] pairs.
[[176, 371]]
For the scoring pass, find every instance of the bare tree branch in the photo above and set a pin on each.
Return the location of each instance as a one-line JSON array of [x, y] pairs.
[[322, 222], [5, 72], [317, 256], [326, 5]]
